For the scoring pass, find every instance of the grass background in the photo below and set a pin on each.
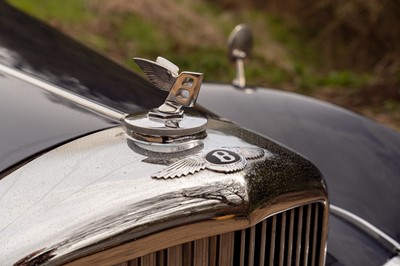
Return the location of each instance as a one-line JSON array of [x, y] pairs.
[[340, 51]]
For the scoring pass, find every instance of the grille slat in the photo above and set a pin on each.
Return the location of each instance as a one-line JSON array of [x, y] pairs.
[[314, 238], [252, 245], [292, 237], [187, 253], [161, 257], [226, 249], [134, 262], [272, 242], [213, 251], [263, 242], [307, 236], [282, 240], [149, 259], [242, 247], [299, 234], [201, 252], [175, 255]]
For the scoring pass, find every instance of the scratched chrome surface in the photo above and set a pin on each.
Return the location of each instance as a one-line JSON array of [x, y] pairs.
[[97, 192]]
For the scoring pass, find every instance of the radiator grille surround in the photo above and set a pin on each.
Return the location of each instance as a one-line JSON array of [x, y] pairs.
[[293, 237]]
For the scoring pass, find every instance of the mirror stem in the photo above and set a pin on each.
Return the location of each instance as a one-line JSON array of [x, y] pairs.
[[240, 80]]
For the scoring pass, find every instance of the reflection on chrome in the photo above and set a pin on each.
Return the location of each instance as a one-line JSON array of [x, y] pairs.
[[94, 199]]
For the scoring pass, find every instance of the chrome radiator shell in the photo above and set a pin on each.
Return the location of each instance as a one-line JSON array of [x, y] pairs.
[[93, 201]]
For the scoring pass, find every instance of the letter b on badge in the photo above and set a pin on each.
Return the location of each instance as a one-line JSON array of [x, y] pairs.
[[222, 157]]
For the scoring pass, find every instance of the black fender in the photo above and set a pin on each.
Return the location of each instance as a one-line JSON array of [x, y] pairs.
[[359, 158]]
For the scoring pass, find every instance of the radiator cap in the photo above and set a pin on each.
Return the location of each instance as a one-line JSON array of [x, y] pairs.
[[167, 128]]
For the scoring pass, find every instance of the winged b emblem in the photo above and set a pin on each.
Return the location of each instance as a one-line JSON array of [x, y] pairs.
[[183, 88], [223, 160]]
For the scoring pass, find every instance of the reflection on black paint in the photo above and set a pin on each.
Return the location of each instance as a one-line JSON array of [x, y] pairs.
[[32, 121], [38, 49]]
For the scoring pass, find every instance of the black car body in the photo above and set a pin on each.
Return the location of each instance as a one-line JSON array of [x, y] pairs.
[[359, 159]]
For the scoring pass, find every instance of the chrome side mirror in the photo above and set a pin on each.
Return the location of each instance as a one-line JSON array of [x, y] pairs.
[[240, 43]]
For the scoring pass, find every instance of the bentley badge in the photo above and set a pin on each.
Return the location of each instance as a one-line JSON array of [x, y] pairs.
[[223, 160]]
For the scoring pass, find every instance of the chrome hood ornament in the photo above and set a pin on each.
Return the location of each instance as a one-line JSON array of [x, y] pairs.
[[183, 88], [167, 128]]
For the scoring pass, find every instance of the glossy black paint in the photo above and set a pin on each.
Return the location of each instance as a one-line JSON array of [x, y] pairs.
[[35, 48], [33, 120], [359, 158], [350, 246]]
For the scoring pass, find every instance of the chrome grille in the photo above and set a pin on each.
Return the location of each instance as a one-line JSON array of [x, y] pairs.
[[292, 237]]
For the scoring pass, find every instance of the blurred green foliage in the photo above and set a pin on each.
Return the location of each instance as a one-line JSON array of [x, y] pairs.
[[293, 44], [127, 34], [70, 11]]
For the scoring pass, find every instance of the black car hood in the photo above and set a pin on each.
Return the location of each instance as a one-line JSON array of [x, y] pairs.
[[33, 47], [38, 50]]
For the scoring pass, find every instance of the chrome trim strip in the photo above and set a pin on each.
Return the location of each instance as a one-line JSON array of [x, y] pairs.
[[395, 261], [367, 227], [77, 99]]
